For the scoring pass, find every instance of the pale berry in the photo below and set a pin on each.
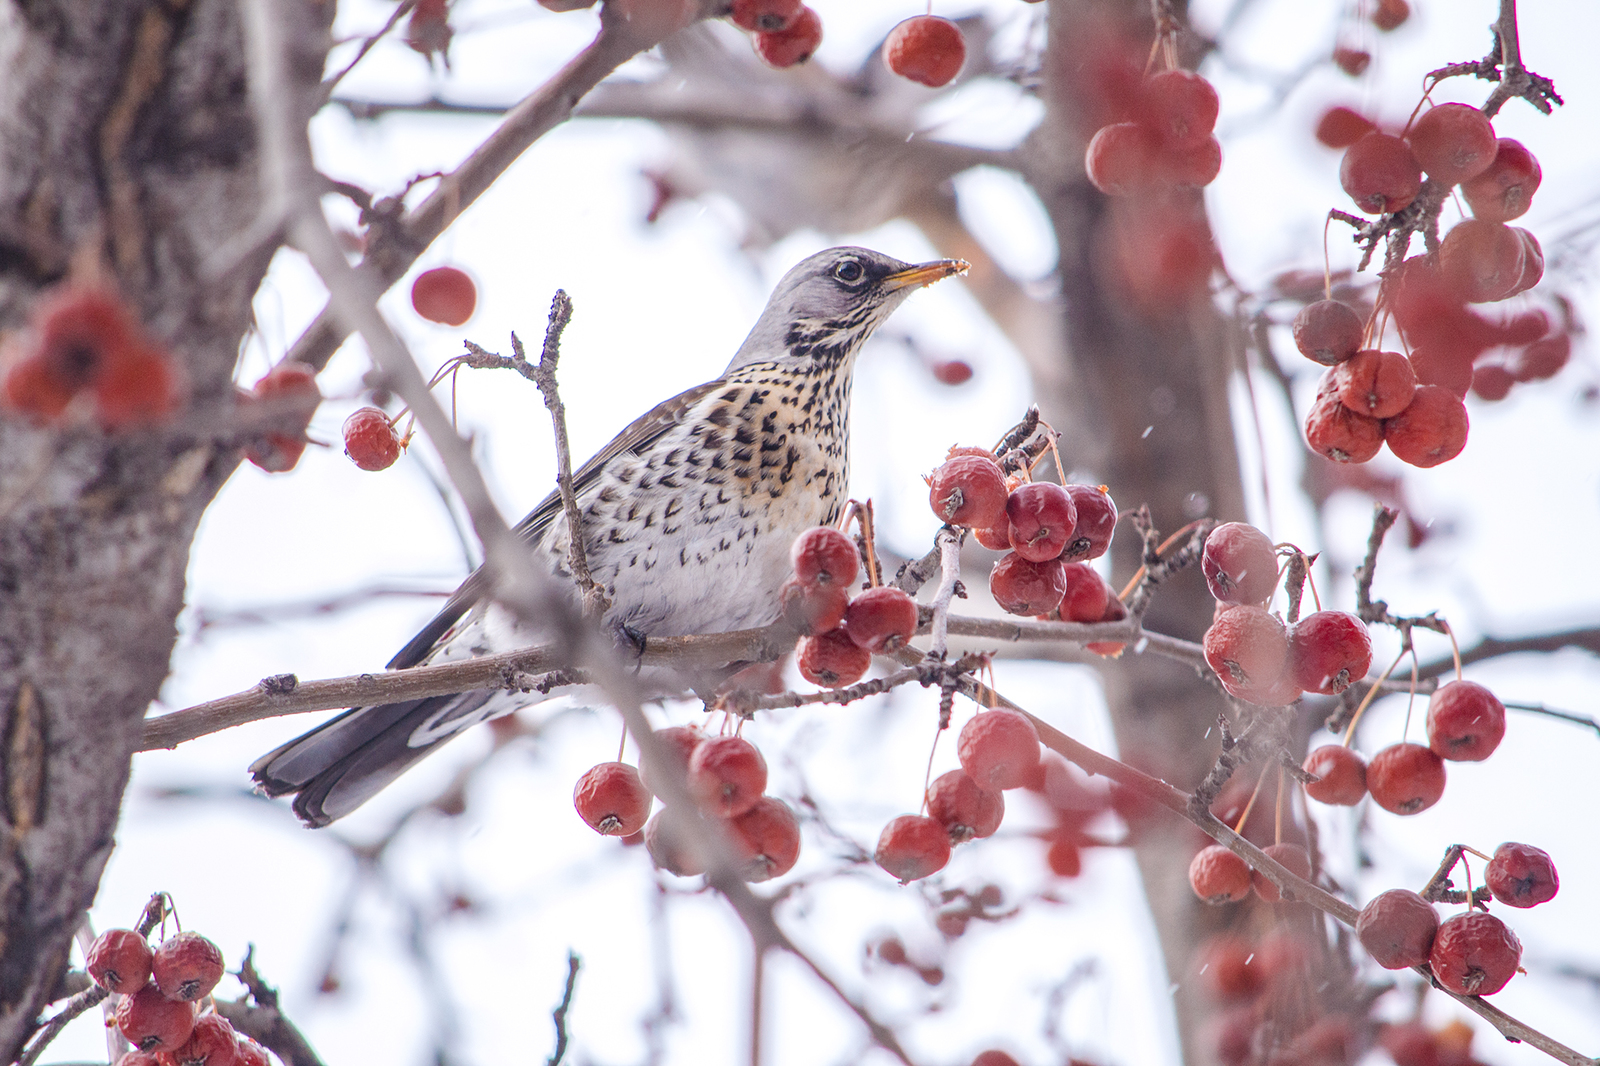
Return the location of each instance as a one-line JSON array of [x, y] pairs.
[[727, 775], [1328, 651], [968, 490], [911, 847], [951, 371], [823, 555], [1440, 365], [832, 659], [678, 743], [1027, 588], [1240, 564], [998, 748], [1432, 430], [1096, 521], [1327, 331], [1474, 954], [1121, 159], [672, 837], [1291, 857], [794, 43], [445, 295], [926, 49], [1405, 778], [186, 966], [1217, 875], [1466, 722], [1380, 173], [152, 1022], [1521, 875], [1453, 142], [1542, 359], [1116, 611], [813, 608], [1341, 773], [1191, 168], [119, 961], [1532, 261], [965, 809], [612, 799], [1505, 190], [252, 1053], [767, 839], [370, 439]]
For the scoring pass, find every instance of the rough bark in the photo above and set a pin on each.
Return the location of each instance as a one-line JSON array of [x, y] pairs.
[[126, 142]]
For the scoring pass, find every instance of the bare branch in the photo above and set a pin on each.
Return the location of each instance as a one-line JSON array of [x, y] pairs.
[[559, 1015]]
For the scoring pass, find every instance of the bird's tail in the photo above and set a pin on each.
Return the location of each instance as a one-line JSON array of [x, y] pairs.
[[342, 763]]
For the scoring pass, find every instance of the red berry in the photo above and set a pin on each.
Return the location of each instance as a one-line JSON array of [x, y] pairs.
[[764, 15], [119, 961], [1405, 778], [370, 440], [1096, 522], [1542, 359], [672, 837], [1340, 127], [186, 966], [1391, 14], [881, 619], [1291, 857], [1120, 159], [1465, 722], [679, 742], [1217, 875], [1532, 261], [727, 775], [832, 659], [1328, 651], [1397, 929], [767, 837], [794, 43], [1027, 588], [1191, 168], [952, 371], [1182, 108], [1453, 142], [1380, 173], [1438, 365], [1353, 61], [1505, 190], [1240, 564], [1115, 612], [1225, 963], [997, 538], [152, 1022], [213, 1043], [968, 490], [1327, 331], [252, 1053], [999, 749], [823, 555], [1043, 518], [1338, 433], [1376, 384], [612, 799], [993, 1058], [813, 608], [135, 388], [428, 29], [1474, 954], [1249, 650], [142, 1058], [965, 809], [445, 295], [1482, 261], [1343, 775], [1432, 430], [288, 390], [911, 847], [926, 49], [1521, 875], [1087, 595], [1064, 856]]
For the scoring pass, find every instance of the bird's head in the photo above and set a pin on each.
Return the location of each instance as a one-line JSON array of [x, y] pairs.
[[829, 303]]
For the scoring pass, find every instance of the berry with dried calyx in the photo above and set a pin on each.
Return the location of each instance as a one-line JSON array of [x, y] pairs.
[[445, 295], [832, 659], [767, 16], [911, 847], [679, 742], [1217, 875], [1453, 142], [671, 836], [823, 555], [1341, 773], [119, 961], [727, 775], [1121, 158], [881, 619], [1432, 430], [1181, 108], [1505, 190], [969, 490], [212, 1043], [1327, 331], [1405, 778], [1380, 173], [1340, 127], [1521, 875], [186, 966], [794, 43], [1466, 722], [926, 49], [1474, 954], [152, 1022], [1397, 928], [1248, 649], [1042, 519], [1027, 588], [1335, 432], [963, 807], [1376, 384], [1291, 857], [612, 799], [998, 748], [1482, 261], [1328, 651], [370, 440], [767, 838], [1240, 564], [1096, 521], [813, 608]]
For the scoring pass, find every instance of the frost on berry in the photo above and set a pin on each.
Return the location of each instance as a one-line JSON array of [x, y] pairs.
[[823, 555], [1521, 875], [1505, 190], [1342, 775], [252, 1053], [1096, 522], [966, 811], [1466, 722], [925, 49], [832, 659], [794, 43], [152, 1022], [1327, 331], [678, 742], [1027, 588], [767, 839], [1432, 430], [1217, 875], [1405, 778], [812, 608], [1248, 650], [1453, 142], [119, 961], [1376, 384], [968, 490], [1474, 954], [999, 749], [881, 619], [727, 775], [1240, 564], [911, 847], [1328, 651], [1291, 857], [612, 799], [370, 440], [186, 966]]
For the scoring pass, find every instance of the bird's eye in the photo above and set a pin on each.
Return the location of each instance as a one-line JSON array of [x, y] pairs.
[[849, 271]]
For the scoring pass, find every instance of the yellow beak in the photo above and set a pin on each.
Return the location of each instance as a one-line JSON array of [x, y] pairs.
[[925, 273]]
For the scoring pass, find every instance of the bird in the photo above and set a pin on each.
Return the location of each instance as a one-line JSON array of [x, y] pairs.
[[687, 517]]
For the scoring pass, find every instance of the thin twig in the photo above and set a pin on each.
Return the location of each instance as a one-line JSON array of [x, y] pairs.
[[948, 541], [559, 1015]]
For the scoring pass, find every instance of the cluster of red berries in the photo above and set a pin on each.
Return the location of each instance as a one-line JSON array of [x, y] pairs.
[[787, 32], [841, 634], [1255, 656], [288, 394], [1049, 532], [927, 49], [1164, 142], [161, 991], [83, 341], [1472, 953]]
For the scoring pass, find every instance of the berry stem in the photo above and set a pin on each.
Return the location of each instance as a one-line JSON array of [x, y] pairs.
[[1411, 698], [1366, 700], [1475, 851], [1248, 807], [1455, 648], [622, 743], [1327, 266], [1277, 814]]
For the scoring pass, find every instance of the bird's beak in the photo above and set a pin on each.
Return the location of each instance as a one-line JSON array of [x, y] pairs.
[[924, 274]]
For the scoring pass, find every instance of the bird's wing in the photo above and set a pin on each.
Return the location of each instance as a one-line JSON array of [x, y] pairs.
[[635, 439]]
